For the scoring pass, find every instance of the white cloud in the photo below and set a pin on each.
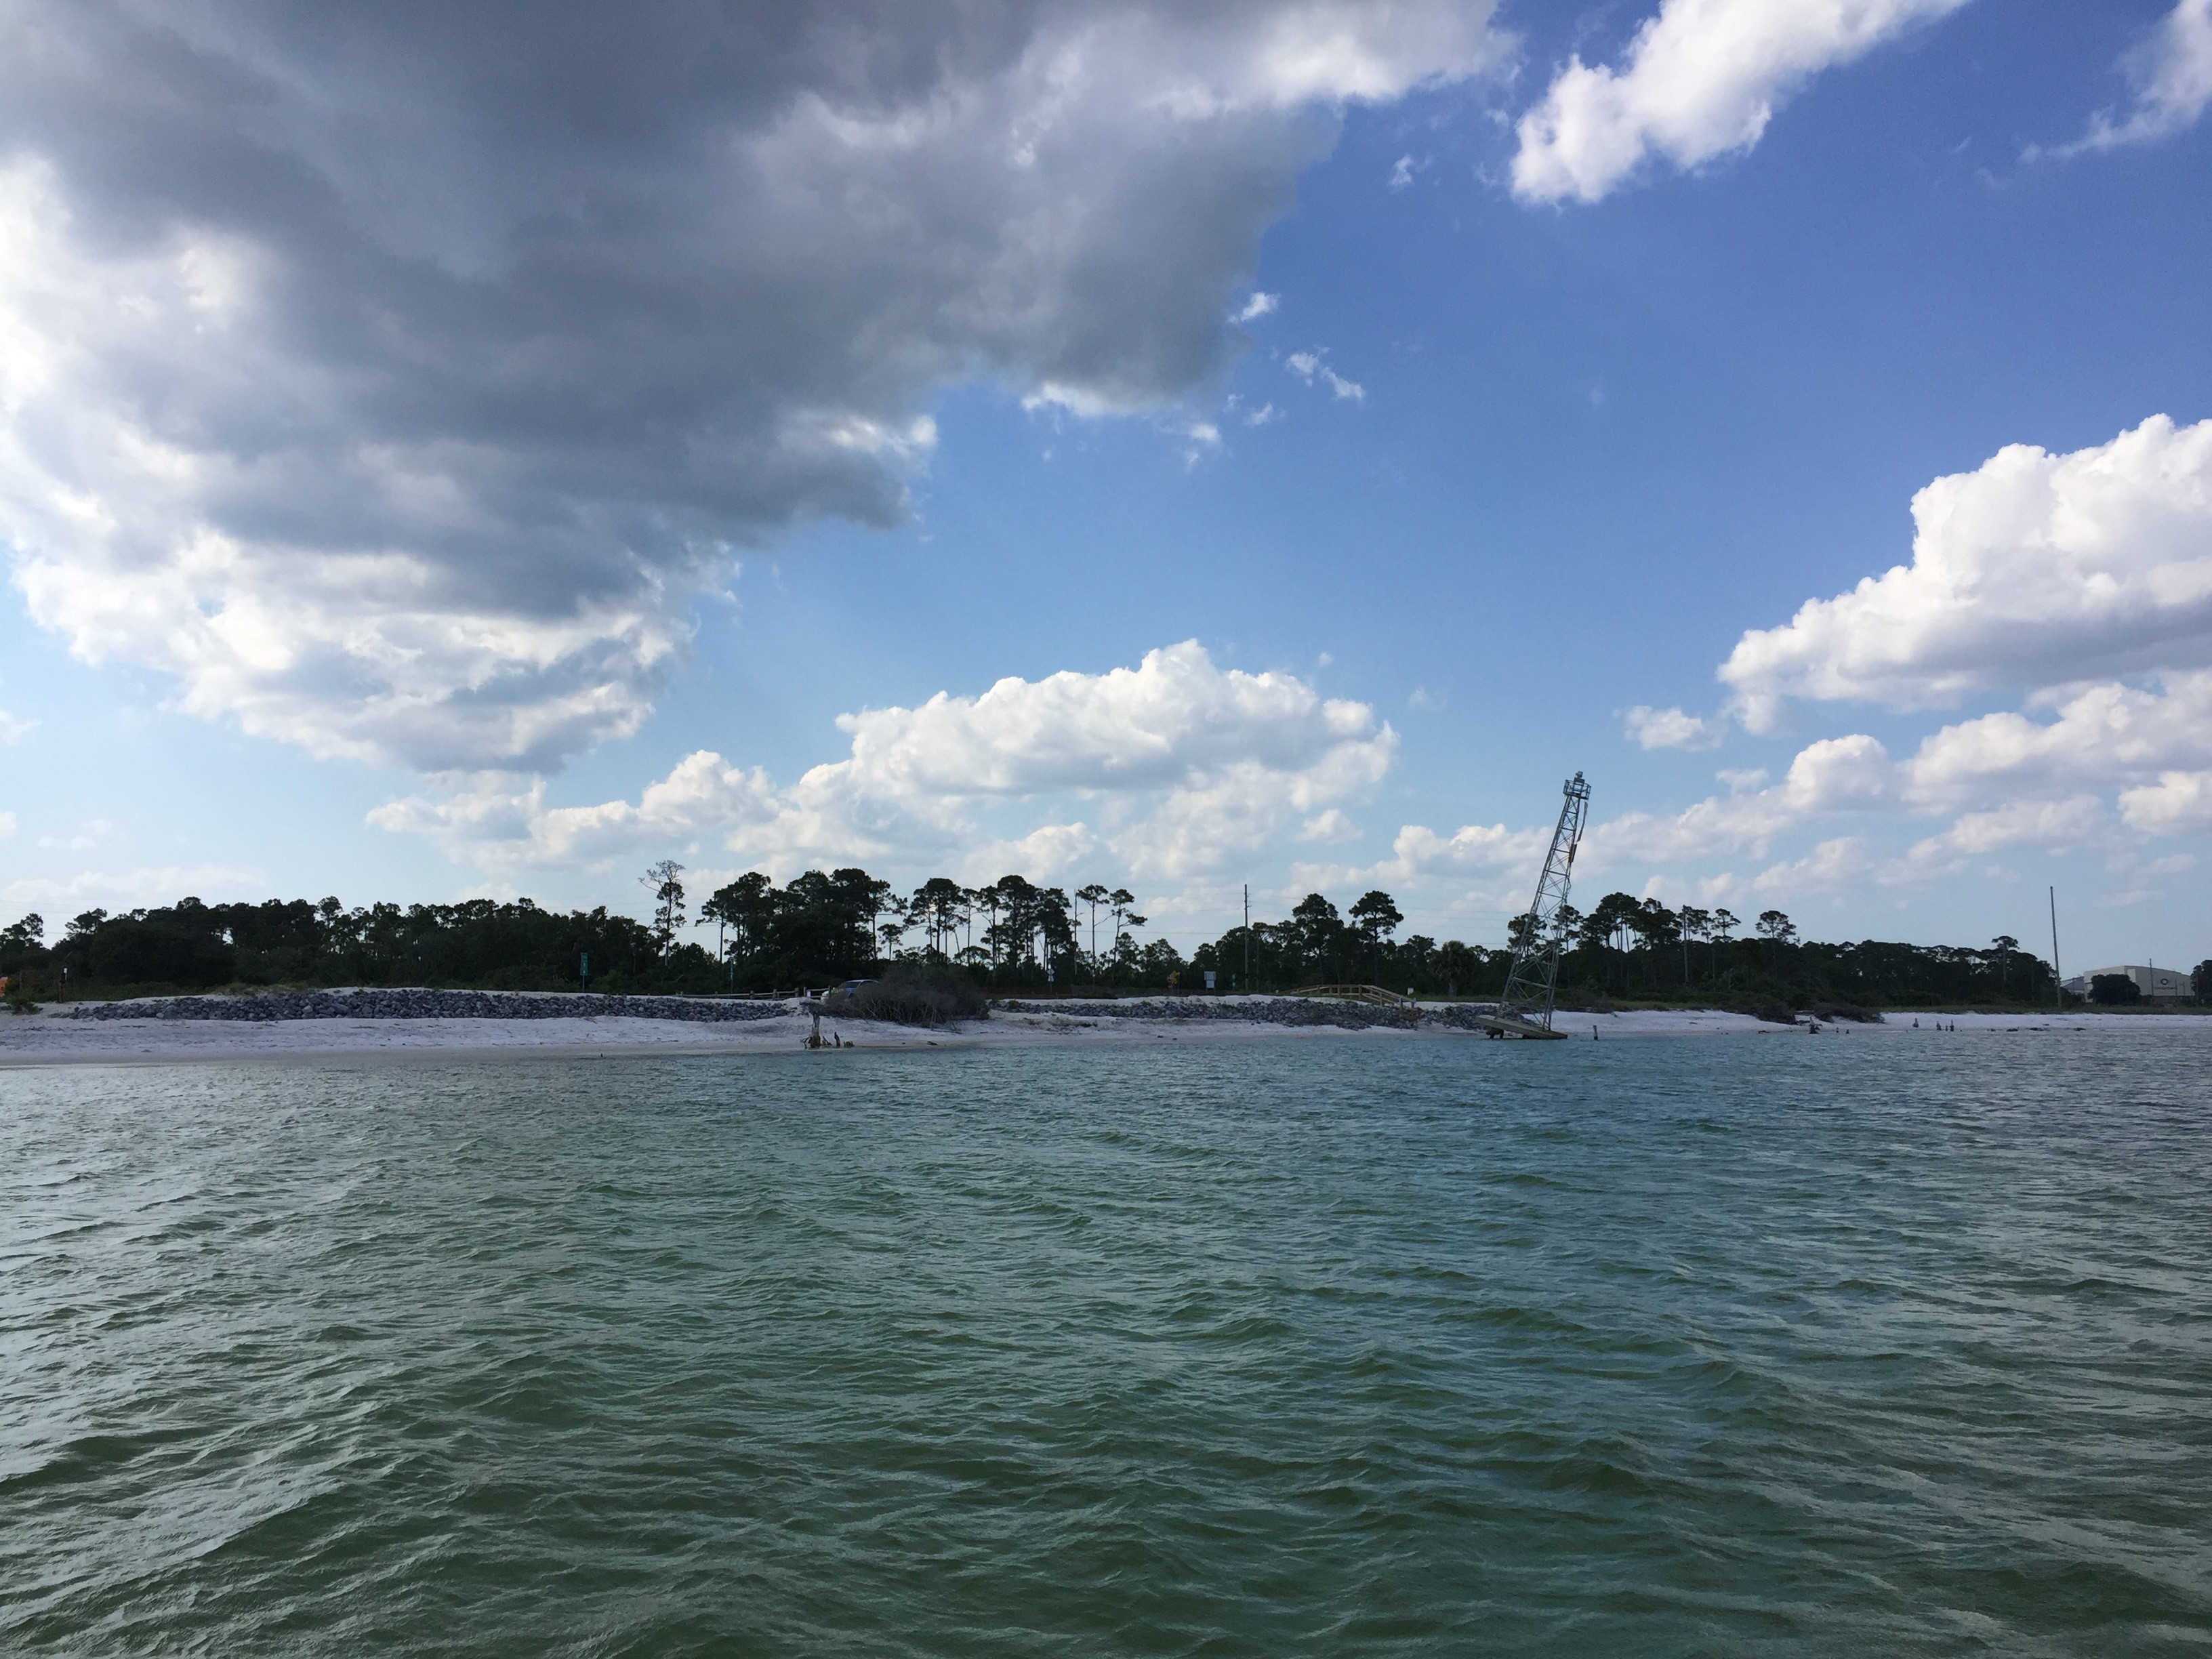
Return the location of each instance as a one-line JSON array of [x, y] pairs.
[[1258, 306], [1401, 173], [1670, 728], [2034, 570], [2050, 825], [15, 727], [7, 825], [1309, 366], [1419, 852], [506, 821], [2103, 734], [396, 379], [1827, 866], [147, 884], [2172, 73], [89, 834], [2179, 803], [1330, 826], [1197, 765], [1701, 79], [2049, 576], [1049, 851], [1200, 440], [1838, 774]]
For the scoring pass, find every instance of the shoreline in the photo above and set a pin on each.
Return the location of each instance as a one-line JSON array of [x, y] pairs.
[[56, 1038]]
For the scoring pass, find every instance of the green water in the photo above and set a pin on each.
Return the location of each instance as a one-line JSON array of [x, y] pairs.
[[1868, 1345]]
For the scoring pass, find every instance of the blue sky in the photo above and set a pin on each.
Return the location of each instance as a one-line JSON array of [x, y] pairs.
[[575, 555]]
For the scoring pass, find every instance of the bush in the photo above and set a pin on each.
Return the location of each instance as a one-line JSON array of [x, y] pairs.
[[2114, 990], [905, 998], [1833, 1011], [1774, 1013]]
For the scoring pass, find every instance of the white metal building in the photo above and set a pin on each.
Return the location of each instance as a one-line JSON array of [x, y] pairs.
[[2156, 984]]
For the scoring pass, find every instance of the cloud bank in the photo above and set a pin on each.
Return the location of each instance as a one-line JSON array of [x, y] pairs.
[[396, 376], [1179, 767]]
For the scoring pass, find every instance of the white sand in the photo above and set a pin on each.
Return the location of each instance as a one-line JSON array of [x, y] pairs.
[[46, 1039]]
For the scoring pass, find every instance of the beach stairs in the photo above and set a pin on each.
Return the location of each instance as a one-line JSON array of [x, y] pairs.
[[1373, 993]]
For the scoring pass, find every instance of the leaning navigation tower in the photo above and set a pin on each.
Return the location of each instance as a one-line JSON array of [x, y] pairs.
[[1525, 1010]]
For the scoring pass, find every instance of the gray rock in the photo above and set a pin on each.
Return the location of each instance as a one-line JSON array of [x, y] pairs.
[[416, 1002]]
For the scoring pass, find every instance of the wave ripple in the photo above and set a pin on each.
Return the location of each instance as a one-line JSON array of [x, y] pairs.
[[1661, 1348]]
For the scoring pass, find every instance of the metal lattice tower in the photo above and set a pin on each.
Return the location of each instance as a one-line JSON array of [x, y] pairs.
[[1534, 975]]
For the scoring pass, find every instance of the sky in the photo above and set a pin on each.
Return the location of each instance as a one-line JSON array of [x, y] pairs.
[[456, 452]]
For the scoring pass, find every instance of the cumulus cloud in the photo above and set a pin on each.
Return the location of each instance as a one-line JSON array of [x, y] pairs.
[[1196, 764], [1852, 773], [1700, 80], [1475, 848], [2035, 569], [395, 378], [2171, 74], [14, 728], [1670, 728], [1258, 306], [2179, 803], [2103, 734]]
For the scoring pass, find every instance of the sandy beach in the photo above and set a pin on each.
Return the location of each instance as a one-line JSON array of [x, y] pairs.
[[68, 1035]]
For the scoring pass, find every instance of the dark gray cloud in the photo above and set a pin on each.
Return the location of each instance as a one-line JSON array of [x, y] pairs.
[[397, 375]]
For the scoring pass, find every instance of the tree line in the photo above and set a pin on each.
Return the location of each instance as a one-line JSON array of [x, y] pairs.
[[827, 925], [821, 925], [1634, 949]]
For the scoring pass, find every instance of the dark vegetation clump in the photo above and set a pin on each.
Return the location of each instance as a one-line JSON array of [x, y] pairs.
[[1774, 1013], [1832, 1012], [2114, 991], [908, 998]]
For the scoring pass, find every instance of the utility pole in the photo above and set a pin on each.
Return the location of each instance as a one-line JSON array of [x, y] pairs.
[[1247, 939], [2057, 985]]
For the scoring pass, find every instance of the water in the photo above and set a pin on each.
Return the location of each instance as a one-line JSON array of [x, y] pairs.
[[1857, 1346]]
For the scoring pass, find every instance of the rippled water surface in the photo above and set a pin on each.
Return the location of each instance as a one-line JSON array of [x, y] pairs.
[[1868, 1345]]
